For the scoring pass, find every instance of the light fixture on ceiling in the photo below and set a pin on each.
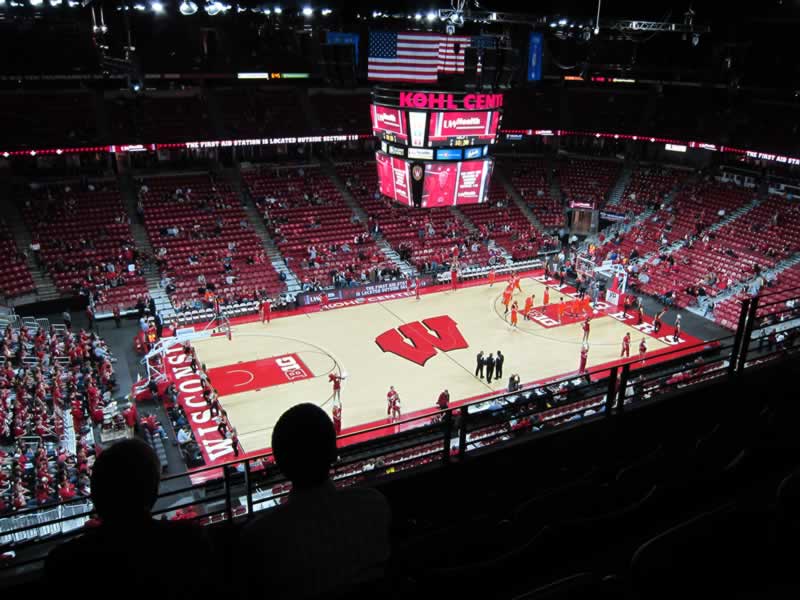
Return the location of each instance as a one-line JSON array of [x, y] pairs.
[[187, 7]]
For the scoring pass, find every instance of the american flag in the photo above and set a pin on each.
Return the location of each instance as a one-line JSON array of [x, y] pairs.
[[418, 57]]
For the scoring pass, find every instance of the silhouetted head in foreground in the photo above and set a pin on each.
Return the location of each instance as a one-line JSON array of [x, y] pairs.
[[304, 444], [125, 482]]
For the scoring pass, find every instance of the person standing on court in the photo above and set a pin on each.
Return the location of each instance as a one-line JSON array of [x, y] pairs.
[[443, 401], [337, 417], [498, 365], [490, 362], [159, 325], [90, 317], [481, 362], [657, 320], [266, 310]]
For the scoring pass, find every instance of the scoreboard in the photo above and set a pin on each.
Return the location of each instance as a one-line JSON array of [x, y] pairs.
[[434, 145]]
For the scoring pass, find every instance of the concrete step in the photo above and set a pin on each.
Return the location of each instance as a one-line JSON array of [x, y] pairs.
[[518, 200], [274, 255], [615, 195]]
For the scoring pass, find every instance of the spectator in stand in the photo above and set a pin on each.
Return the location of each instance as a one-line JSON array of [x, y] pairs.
[[124, 488], [323, 540], [153, 425], [183, 437]]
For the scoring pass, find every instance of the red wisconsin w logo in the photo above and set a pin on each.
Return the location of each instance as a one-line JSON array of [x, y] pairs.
[[421, 344]]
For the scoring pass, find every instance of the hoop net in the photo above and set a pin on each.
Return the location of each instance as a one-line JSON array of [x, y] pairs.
[[585, 266]]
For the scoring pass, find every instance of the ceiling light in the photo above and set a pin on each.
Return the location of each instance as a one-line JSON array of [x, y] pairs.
[[417, 16], [431, 16], [213, 8], [139, 7], [267, 11], [157, 7], [278, 10], [326, 12], [187, 7], [695, 39], [52, 2], [36, 2], [562, 22], [307, 11]]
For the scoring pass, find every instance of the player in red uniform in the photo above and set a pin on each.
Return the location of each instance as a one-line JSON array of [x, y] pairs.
[[586, 327], [393, 404], [514, 317], [454, 276], [528, 307], [492, 276], [336, 380], [517, 280], [626, 346], [642, 349], [266, 310], [677, 335], [443, 401], [337, 417], [584, 358]]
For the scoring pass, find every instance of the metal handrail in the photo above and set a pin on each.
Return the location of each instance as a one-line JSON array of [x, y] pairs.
[[445, 435]]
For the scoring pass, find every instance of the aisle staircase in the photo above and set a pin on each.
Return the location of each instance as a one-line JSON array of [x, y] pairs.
[[518, 200], [615, 195], [45, 288], [702, 308], [152, 277], [254, 216], [406, 268], [472, 229]]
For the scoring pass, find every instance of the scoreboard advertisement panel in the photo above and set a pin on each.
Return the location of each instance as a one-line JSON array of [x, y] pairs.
[[393, 177], [451, 184], [443, 183], [389, 124], [462, 128]]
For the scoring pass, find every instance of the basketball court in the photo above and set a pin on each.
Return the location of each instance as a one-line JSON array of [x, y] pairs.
[[420, 346]]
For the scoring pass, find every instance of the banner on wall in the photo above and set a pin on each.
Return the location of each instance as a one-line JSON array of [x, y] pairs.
[[363, 293], [535, 57], [338, 37]]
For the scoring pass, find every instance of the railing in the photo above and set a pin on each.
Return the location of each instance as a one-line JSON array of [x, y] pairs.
[[243, 487]]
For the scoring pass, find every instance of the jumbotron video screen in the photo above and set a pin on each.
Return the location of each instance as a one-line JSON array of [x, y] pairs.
[[443, 183]]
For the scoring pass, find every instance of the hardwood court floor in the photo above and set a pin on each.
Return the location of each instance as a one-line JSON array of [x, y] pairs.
[[344, 340]]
